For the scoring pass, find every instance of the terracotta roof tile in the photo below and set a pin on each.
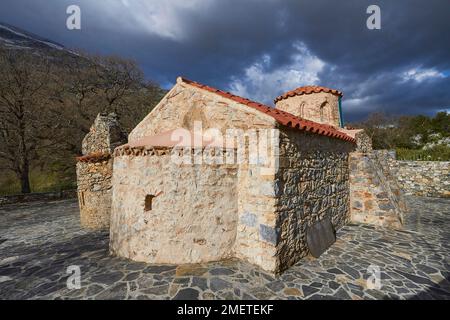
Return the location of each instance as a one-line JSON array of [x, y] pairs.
[[307, 90], [282, 117]]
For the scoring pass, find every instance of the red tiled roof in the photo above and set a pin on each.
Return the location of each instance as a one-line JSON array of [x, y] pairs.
[[307, 90], [282, 117]]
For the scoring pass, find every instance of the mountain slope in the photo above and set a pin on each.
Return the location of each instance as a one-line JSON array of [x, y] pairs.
[[17, 39]]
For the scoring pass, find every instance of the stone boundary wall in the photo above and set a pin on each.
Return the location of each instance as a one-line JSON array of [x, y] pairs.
[[421, 178], [38, 196], [376, 198]]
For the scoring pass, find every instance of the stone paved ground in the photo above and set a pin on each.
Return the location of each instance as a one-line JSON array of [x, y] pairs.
[[38, 241]]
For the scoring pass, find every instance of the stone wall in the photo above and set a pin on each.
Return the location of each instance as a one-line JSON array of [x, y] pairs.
[[421, 178], [256, 230], [104, 135], [376, 198], [165, 212], [209, 212], [363, 141], [95, 192], [94, 171], [320, 107], [312, 184]]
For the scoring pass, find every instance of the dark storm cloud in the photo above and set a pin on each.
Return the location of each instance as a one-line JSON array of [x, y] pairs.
[[261, 48]]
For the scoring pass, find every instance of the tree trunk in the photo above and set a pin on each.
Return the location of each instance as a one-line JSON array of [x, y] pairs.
[[25, 179]]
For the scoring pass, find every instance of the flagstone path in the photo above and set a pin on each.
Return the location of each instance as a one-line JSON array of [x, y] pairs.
[[39, 241]]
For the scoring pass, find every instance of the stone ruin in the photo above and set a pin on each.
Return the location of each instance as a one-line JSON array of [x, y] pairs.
[[94, 171], [163, 211]]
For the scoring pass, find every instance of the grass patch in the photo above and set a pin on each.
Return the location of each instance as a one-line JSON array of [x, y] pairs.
[[40, 182], [438, 153]]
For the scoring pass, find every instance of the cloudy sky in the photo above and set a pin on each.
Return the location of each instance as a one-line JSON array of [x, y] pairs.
[[262, 48]]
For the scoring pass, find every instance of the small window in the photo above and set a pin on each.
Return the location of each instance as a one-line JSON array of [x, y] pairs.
[[81, 199], [302, 110], [148, 202], [323, 110]]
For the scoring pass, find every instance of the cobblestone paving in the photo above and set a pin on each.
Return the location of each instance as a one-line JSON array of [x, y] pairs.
[[38, 241]]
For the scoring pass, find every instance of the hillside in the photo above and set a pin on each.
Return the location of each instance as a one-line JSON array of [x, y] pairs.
[[17, 39], [49, 97]]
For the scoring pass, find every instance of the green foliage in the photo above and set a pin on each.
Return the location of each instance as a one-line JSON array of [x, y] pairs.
[[409, 134], [438, 153], [441, 123]]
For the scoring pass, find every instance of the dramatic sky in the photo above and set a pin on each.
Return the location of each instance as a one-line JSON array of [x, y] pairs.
[[262, 48]]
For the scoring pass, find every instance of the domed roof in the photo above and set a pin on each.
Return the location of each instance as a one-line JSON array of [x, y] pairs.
[[307, 90]]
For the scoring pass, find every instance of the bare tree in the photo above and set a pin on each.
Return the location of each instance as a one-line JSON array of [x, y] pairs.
[[92, 84], [48, 103], [23, 85]]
